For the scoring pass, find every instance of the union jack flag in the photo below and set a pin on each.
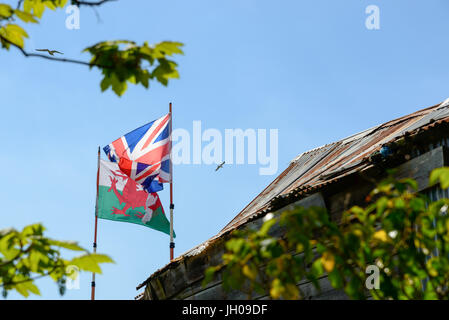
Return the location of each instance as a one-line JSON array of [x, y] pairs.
[[150, 177], [147, 150]]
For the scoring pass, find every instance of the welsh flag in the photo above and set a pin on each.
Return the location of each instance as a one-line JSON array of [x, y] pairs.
[[121, 199]]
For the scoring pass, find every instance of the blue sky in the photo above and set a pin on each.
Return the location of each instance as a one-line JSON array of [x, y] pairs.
[[308, 68]]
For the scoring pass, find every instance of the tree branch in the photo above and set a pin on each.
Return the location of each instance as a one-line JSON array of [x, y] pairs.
[[5, 263], [13, 283], [90, 3], [27, 54], [77, 3]]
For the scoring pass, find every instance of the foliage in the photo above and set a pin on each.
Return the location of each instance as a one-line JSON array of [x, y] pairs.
[[399, 231], [28, 255], [119, 61], [122, 65]]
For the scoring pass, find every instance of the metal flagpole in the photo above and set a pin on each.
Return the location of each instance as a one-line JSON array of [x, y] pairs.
[[172, 206], [92, 296]]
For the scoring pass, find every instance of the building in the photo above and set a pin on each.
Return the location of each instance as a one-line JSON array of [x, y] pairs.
[[336, 176]]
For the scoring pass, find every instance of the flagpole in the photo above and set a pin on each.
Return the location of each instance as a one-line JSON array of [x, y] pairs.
[[92, 295], [172, 206]]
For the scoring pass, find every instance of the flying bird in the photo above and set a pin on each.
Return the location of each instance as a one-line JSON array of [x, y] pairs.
[[220, 166], [51, 52]]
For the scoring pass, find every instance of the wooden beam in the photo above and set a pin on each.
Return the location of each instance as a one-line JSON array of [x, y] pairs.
[[419, 168]]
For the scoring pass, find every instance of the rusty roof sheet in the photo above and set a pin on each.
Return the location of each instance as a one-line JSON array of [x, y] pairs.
[[316, 168], [321, 165]]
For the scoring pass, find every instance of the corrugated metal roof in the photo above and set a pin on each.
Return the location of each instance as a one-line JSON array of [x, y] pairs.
[[316, 168], [321, 165]]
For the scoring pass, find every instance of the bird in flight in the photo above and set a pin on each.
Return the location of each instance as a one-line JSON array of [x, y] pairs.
[[220, 166], [51, 52]]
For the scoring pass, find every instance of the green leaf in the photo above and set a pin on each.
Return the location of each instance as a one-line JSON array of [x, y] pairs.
[[37, 7], [417, 204], [33, 229], [70, 245], [105, 83], [266, 227], [335, 279], [5, 11], [317, 268], [144, 77], [27, 254], [34, 6], [24, 285], [410, 182], [31, 287], [122, 61], [25, 16], [35, 257], [50, 5], [235, 245], [90, 262], [276, 289], [21, 289], [354, 289], [118, 86], [14, 34], [250, 271], [168, 48], [209, 275], [440, 175]]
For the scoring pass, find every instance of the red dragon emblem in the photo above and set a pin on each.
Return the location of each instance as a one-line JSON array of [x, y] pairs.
[[133, 197]]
